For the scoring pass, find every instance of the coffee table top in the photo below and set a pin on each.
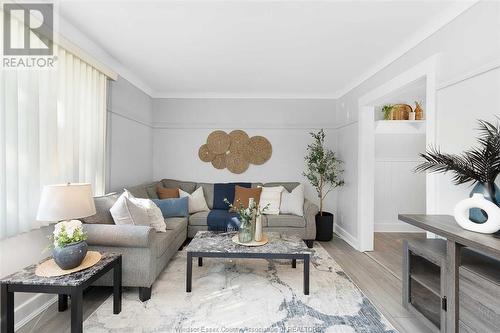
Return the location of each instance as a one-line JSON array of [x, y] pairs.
[[27, 275], [279, 243]]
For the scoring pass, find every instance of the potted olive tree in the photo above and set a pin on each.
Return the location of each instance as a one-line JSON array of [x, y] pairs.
[[324, 171]]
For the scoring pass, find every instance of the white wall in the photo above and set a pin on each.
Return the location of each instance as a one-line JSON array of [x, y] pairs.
[[468, 44], [130, 136], [181, 126], [397, 188]]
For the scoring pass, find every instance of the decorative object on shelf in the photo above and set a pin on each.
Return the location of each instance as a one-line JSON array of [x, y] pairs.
[[65, 203], [324, 171], [412, 115], [479, 165], [235, 151], [491, 225], [49, 268], [419, 112], [387, 110], [247, 217], [400, 111]]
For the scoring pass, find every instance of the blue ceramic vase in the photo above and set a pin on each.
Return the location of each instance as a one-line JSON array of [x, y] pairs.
[[71, 255], [491, 192]]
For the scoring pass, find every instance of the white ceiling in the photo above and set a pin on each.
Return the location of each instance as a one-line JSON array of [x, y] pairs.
[[256, 48]]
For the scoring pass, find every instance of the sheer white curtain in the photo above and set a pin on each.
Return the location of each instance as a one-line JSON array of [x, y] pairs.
[[52, 130]]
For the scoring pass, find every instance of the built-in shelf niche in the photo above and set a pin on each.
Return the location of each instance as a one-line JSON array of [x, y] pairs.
[[398, 144], [400, 127]]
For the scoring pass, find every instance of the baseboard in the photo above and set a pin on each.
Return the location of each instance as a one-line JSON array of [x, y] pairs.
[[346, 236], [395, 227], [32, 308]]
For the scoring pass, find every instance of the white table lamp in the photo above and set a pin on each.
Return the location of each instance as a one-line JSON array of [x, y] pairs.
[[65, 202]]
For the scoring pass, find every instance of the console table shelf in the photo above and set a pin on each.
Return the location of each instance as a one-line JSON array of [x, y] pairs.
[[452, 284]]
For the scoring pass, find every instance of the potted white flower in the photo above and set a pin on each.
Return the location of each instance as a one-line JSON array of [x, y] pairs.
[[70, 247]]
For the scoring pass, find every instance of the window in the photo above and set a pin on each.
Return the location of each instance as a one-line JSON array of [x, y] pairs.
[[52, 130]]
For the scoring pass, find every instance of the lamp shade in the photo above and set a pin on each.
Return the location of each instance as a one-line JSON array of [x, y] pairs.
[[65, 202]]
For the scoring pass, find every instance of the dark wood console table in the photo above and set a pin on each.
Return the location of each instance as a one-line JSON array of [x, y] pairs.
[[457, 239]]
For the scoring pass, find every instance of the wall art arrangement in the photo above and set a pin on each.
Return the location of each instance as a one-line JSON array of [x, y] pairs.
[[235, 151]]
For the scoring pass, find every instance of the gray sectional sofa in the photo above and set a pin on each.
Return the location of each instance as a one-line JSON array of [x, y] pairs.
[[147, 252]]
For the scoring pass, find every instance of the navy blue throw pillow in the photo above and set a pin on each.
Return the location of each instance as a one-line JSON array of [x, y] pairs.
[[173, 207], [225, 191]]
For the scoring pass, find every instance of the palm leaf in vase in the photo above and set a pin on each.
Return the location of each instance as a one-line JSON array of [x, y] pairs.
[[479, 165]]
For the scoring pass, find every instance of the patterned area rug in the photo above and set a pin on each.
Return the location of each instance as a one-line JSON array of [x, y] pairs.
[[249, 295]]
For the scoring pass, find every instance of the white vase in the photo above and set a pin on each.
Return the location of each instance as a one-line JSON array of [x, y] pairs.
[[477, 200], [258, 229], [411, 116]]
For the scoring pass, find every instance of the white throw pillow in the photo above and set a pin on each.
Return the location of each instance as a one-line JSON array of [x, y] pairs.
[[125, 211], [293, 203], [155, 216], [271, 196], [196, 200]]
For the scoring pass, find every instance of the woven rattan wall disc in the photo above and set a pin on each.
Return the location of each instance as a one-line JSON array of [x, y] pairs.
[[258, 150], [236, 163], [239, 139], [219, 161], [218, 142], [205, 154]]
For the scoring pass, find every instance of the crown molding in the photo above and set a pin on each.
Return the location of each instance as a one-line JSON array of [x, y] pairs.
[[425, 32], [231, 126], [216, 95]]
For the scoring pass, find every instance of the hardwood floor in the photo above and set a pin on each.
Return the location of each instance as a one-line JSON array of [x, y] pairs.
[[377, 274], [388, 248], [380, 285]]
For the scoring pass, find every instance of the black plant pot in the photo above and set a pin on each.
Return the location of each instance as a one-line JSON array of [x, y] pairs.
[[324, 227]]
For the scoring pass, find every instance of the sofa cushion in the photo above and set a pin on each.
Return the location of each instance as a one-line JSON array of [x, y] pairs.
[[225, 191], [196, 200], [173, 207], [242, 196], [102, 206], [175, 226], [288, 185], [270, 198], [138, 191], [285, 220], [151, 190], [124, 211], [199, 218], [176, 223], [208, 192], [188, 187], [293, 202], [167, 192]]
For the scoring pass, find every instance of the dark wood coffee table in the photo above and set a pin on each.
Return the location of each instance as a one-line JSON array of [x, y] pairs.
[[219, 245], [73, 285]]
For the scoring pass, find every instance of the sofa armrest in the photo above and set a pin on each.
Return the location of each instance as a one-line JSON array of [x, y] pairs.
[[310, 211], [119, 235]]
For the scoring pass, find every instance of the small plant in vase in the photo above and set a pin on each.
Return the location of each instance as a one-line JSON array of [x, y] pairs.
[[69, 243], [324, 171], [387, 110], [248, 217], [479, 165]]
